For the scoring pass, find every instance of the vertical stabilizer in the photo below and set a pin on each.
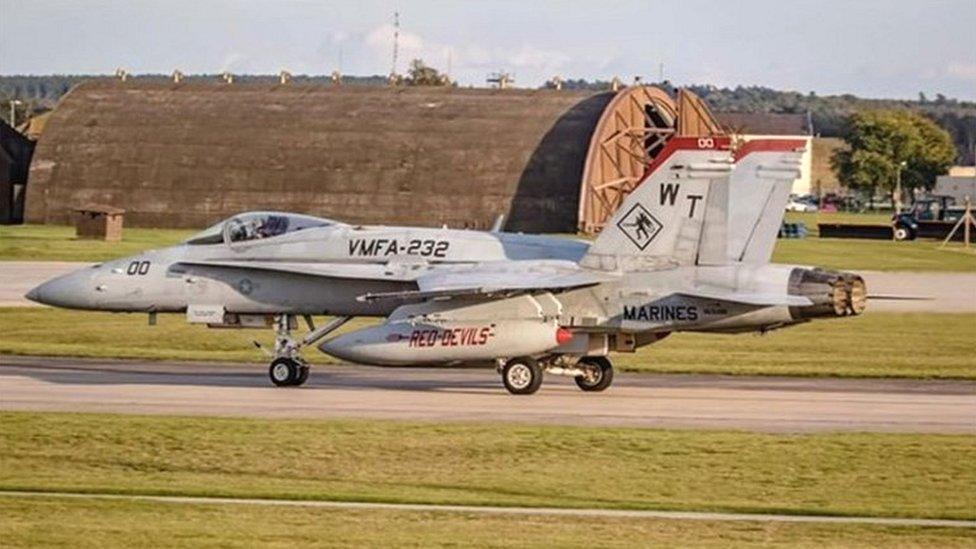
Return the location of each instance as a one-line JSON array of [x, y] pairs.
[[759, 189], [660, 223]]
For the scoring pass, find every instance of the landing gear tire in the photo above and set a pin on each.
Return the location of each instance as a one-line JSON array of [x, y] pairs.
[[284, 372], [522, 376], [600, 374], [302, 375]]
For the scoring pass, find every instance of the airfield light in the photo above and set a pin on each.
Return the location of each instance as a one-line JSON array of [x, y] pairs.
[[13, 111]]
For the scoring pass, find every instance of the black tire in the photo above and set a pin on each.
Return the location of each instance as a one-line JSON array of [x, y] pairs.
[[522, 376], [603, 374], [302, 375], [283, 372], [902, 233]]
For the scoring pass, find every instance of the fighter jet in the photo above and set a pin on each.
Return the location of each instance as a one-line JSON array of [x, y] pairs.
[[688, 250]]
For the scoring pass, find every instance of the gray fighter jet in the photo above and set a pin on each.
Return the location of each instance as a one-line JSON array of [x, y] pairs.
[[688, 250]]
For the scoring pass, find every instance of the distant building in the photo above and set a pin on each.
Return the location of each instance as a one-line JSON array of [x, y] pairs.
[[957, 186], [15, 157], [962, 171]]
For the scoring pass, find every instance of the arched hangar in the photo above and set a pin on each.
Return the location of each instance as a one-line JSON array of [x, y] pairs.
[[187, 154]]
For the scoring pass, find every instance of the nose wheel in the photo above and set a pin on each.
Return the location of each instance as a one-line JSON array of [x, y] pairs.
[[288, 372], [287, 368]]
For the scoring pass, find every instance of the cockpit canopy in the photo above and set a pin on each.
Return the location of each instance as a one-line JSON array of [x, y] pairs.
[[256, 226]]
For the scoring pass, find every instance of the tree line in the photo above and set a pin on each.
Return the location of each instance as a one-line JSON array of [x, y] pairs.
[[830, 114]]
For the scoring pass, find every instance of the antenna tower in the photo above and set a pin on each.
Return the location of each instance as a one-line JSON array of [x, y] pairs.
[[396, 41]]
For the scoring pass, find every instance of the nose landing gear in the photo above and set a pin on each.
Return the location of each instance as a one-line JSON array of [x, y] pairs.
[[287, 372], [287, 368]]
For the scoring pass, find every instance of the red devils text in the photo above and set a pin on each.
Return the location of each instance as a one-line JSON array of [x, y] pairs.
[[452, 337]]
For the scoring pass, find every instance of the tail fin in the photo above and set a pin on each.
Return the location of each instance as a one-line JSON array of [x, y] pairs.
[[660, 222], [759, 189]]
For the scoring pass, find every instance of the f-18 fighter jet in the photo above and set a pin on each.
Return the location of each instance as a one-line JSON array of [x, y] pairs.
[[688, 250]]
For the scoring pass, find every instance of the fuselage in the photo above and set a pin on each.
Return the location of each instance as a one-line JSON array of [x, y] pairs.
[[326, 267]]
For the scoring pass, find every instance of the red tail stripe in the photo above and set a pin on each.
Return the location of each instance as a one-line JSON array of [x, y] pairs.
[[769, 145]]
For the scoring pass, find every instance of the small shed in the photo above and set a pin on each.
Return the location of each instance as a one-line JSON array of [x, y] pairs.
[[99, 221]]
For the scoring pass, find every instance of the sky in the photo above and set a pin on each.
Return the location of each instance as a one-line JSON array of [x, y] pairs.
[[871, 48]]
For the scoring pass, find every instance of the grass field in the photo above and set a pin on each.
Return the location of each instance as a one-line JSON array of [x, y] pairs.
[[876, 344], [57, 243], [26, 523], [875, 255], [811, 219], [897, 475]]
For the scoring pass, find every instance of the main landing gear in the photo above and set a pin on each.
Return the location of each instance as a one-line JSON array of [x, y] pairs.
[[523, 375], [287, 368], [597, 373]]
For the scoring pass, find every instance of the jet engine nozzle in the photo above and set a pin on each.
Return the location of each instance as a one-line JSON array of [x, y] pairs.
[[833, 293]]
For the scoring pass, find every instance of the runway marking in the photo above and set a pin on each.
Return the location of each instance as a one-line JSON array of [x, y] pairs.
[[495, 510]]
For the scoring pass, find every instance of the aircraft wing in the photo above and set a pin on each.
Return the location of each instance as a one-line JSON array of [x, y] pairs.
[[498, 278], [361, 271]]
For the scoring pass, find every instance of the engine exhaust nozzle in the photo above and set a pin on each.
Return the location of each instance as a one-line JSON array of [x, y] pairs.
[[833, 293]]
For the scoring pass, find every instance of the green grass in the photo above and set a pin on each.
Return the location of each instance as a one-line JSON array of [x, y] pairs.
[[875, 345], [57, 243], [871, 345], [811, 219], [875, 255], [27, 523], [872, 474]]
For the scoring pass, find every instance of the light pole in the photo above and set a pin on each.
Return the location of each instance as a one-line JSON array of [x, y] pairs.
[[13, 111], [901, 166]]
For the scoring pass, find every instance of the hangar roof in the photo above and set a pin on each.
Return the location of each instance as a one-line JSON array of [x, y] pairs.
[[188, 154]]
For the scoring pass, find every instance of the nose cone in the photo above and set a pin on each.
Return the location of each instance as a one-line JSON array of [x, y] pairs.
[[71, 291]]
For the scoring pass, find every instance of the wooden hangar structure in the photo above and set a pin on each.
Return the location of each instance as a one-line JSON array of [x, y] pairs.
[[632, 131]]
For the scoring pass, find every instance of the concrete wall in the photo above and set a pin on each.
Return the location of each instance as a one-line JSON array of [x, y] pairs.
[[187, 155]]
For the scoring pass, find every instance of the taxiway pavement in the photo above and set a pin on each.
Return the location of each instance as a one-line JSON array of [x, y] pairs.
[[775, 404]]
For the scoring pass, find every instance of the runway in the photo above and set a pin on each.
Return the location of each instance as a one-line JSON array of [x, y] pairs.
[[936, 291], [773, 404]]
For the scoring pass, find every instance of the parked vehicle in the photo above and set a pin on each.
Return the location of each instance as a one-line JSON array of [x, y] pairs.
[[929, 210], [801, 204]]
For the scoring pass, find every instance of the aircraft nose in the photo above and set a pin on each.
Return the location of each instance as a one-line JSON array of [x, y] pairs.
[[71, 291]]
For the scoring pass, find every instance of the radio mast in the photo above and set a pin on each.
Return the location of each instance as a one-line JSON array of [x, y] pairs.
[[396, 41]]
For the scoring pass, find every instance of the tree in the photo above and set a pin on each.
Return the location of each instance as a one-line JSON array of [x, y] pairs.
[[422, 75], [882, 141]]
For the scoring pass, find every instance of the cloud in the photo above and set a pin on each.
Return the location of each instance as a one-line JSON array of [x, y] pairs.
[[381, 37], [469, 61], [233, 61], [538, 59], [963, 71]]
